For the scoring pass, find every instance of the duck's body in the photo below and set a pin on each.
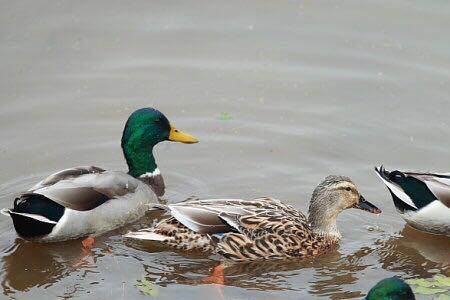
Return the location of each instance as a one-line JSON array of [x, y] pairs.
[[263, 228], [78, 202], [88, 201], [239, 229], [422, 199]]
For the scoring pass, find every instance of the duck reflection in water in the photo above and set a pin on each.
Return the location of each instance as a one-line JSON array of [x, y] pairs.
[[27, 265], [415, 253], [410, 253]]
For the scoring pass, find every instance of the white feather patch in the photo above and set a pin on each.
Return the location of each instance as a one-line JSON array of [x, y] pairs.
[[398, 191], [435, 217], [151, 174], [145, 236], [35, 217]]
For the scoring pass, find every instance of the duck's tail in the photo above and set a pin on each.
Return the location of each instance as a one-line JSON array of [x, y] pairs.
[[382, 172], [34, 215], [392, 180]]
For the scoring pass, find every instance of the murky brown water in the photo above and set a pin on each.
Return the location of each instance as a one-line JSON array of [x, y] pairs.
[[312, 88]]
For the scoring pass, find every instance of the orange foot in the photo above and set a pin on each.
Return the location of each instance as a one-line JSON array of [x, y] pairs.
[[88, 243], [216, 277]]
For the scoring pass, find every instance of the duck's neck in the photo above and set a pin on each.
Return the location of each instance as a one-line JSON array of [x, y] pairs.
[[326, 228], [323, 221], [140, 161]]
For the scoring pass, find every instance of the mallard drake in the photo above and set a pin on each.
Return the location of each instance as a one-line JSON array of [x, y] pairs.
[[422, 199], [88, 200], [392, 288], [258, 229]]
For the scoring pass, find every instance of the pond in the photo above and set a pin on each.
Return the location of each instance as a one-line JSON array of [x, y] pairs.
[[280, 94]]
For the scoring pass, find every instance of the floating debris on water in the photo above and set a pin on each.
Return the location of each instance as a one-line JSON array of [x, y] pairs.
[[224, 116], [374, 228], [442, 297], [439, 284], [147, 287]]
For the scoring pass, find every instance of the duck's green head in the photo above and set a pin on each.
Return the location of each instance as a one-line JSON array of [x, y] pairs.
[[391, 289], [145, 128]]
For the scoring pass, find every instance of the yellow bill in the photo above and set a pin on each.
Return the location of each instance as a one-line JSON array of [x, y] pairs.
[[176, 135]]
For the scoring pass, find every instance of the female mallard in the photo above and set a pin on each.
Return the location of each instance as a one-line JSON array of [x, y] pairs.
[[391, 289], [422, 199], [88, 200], [261, 228]]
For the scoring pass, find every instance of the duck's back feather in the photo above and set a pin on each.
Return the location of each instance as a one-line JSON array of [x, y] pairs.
[[84, 188], [66, 174]]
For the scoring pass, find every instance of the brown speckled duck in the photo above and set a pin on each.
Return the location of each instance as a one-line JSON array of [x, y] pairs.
[[263, 228]]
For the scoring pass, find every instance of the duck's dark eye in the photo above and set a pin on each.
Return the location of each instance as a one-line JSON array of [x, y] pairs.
[[348, 188]]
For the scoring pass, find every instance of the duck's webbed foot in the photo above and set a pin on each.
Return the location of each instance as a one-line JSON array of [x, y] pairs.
[[217, 275], [88, 242]]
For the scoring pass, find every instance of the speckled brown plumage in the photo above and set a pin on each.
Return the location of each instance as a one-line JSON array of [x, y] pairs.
[[263, 228], [269, 235], [178, 236]]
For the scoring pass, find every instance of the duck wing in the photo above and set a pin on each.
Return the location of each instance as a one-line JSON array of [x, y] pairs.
[[82, 188], [191, 222], [437, 183], [251, 217], [416, 190], [203, 216]]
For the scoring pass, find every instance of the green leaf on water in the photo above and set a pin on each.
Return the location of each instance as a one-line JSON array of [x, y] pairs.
[[442, 281], [421, 282], [147, 287], [442, 297], [224, 116], [427, 291], [438, 284]]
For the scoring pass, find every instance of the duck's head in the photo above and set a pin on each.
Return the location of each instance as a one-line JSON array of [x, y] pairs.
[[145, 128], [391, 289], [333, 195]]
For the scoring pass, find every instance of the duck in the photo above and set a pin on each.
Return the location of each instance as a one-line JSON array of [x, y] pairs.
[[422, 199], [86, 201], [392, 288], [263, 228]]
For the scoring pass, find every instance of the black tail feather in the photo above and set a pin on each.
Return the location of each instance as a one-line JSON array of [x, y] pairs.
[[35, 204]]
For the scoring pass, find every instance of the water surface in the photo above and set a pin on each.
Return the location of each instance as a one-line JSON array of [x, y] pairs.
[[307, 88]]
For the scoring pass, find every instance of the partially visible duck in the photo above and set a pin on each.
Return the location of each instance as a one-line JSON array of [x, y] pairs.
[[258, 229], [422, 199], [87, 200], [392, 288]]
